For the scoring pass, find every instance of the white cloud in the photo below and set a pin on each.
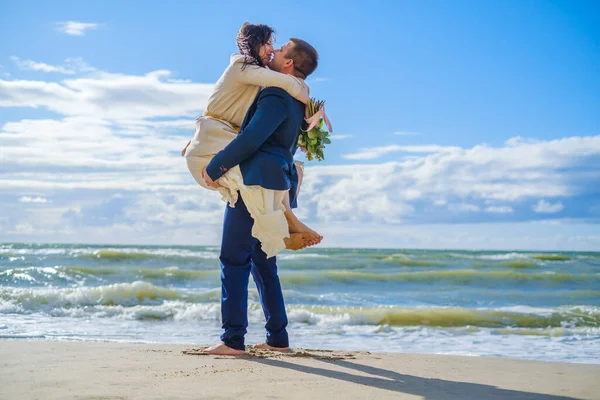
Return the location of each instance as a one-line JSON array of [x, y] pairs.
[[24, 228], [119, 132], [121, 135], [499, 209], [75, 28], [518, 141], [109, 96], [321, 79], [463, 180], [489, 236], [464, 207], [340, 137], [28, 199], [37, 66], [85, 143], [542, 206], [96, 154]]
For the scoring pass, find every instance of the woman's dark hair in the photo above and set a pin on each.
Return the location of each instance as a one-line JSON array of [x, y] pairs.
[[249, 39]]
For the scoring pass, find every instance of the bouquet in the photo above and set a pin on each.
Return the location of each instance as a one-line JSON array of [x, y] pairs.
[[313, 137]]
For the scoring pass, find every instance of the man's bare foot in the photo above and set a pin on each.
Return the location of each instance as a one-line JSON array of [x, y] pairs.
[[297, 241], [264, 346], [297, 226], [222, 350]]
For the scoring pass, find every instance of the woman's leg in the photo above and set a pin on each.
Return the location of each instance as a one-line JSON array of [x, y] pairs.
[[296, 226]]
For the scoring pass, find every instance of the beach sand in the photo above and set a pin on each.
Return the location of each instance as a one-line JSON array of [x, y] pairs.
[[48, 370]]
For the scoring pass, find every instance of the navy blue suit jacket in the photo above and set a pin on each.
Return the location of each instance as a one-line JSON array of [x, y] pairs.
[[264, 149]]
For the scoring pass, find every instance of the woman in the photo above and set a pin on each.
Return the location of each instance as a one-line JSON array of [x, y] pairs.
[[234, 93]]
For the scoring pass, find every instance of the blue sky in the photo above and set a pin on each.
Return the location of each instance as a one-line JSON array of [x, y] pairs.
[[466, 124]]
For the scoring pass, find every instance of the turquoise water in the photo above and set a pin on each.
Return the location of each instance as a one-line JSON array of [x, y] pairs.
[[507, 304]]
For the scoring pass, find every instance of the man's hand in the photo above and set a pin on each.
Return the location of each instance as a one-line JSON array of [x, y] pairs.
[[209, 181]]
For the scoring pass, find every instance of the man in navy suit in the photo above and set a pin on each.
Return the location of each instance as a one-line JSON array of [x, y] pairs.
[[264, 150]]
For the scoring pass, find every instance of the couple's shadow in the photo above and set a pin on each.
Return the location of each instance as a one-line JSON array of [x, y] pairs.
[[430, 389]]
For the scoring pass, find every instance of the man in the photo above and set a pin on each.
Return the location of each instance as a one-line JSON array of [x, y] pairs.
[[264, 150]]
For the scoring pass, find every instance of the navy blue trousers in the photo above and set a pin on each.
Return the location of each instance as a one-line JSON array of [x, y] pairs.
[[241, 255]]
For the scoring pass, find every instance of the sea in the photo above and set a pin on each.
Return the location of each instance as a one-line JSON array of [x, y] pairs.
[[515, 304]]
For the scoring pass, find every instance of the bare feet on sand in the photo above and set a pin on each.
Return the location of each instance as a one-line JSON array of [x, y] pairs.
[[264, 346], [297, 226], [222, 350], [297, 241]]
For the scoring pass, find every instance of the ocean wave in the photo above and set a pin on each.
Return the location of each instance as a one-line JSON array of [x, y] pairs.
[[108, 254], [145, 254], [301, 256], [550, 332], [551, 257], [592, 294], [449, 317], [24, 300], [38, 275], [142, 300], [512, 259], [516, 256], [493, 257], [123, 294], [80, 275], [118, 255], [77, 274], [520, 264], [401, 259], [459, 275]]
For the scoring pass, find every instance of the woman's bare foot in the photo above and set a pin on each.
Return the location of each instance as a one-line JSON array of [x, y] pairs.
[[297, 226], [222, 350], [297, 241], [264, 346]]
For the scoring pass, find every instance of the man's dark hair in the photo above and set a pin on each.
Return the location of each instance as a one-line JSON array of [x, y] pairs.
[[306, 58], [249, 39]]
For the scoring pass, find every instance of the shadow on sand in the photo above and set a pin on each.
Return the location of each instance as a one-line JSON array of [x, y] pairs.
[[430, 389]]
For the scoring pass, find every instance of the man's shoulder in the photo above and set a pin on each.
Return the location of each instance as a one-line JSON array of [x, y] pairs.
[[276, 92], [289, 103]]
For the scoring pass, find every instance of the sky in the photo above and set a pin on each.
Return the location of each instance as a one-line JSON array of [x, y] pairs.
[[471, 124]]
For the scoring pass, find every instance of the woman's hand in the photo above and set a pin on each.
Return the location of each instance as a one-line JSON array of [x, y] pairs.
[[209, 181], [305, 91]]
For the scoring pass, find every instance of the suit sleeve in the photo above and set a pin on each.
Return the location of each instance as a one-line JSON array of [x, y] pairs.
[[259, 76], [293, 193], [271, 111]]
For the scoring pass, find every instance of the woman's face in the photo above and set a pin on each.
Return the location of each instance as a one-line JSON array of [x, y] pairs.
[[266, 52]]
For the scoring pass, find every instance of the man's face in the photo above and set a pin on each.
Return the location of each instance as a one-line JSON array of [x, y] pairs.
[[279, 57], [266, 52]]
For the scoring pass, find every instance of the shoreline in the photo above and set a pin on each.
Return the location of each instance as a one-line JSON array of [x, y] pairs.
[[91, 370], [189, 345]]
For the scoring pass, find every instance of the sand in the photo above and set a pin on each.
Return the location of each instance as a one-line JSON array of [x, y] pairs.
[[49, 370]]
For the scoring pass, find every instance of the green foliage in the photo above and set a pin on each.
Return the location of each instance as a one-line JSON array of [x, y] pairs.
[[314, 140]]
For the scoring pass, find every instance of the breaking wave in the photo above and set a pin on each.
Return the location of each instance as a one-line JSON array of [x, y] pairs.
[[142, 300]]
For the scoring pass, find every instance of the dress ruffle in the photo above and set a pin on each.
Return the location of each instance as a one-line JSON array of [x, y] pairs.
[[264, 205]]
